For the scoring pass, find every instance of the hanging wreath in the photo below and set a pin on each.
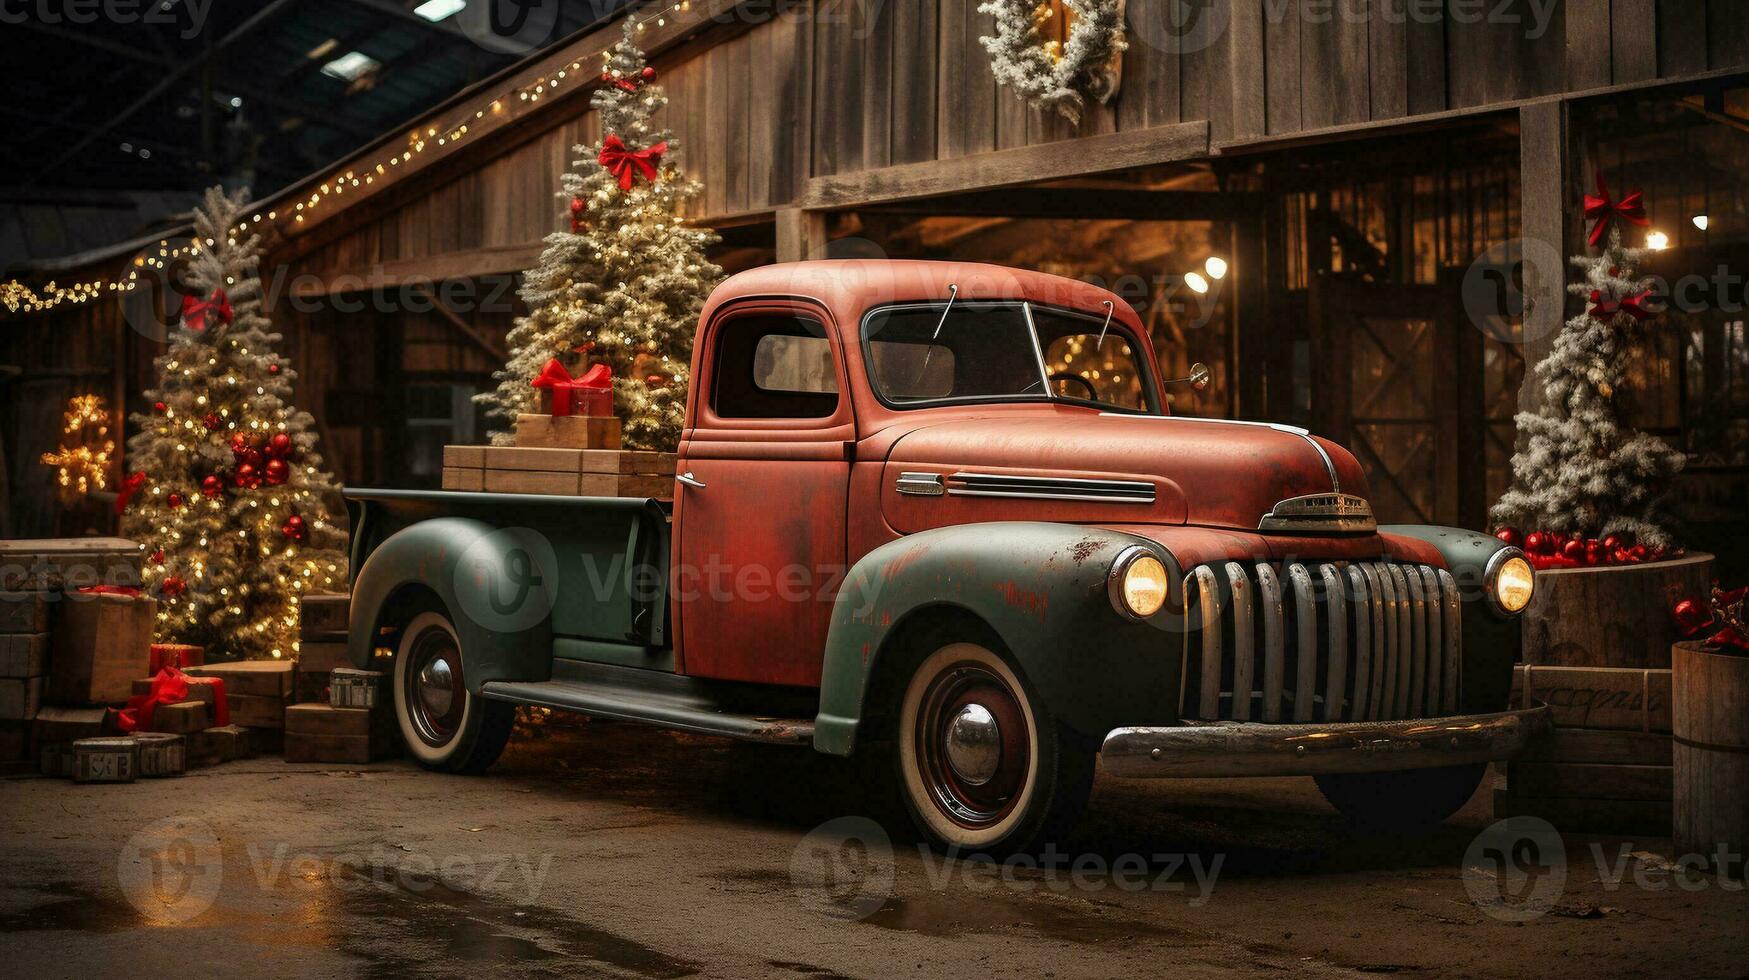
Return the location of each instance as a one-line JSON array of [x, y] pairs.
[[1049, 74]]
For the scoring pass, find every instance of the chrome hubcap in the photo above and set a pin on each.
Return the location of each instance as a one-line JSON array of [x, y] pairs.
[[974, 745], [437, 688], [433, 692]]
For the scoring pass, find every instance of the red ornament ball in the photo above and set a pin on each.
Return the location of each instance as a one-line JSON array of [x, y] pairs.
[[1594, 553], [1639, 552], [175, 500], [1510, 535], [248, 476], [648, 73], [577, 205], [293, 528], [1533, 542], [212, 421], [173, 587], [1573, 550], [280, 446], [273, 369], [656, 381], [277, 471], [1691, 617], [160, 407], [211, 487]]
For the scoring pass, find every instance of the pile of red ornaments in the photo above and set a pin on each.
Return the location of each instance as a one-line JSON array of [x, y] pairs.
[[1556, 549], [260, 460]]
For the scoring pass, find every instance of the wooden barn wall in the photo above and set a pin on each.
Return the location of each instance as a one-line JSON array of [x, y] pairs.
[[865, 84]]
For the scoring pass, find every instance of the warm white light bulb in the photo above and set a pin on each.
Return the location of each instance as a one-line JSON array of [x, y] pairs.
[[1657, 241], [1701, 221], [1196, 282], [1217, 267]]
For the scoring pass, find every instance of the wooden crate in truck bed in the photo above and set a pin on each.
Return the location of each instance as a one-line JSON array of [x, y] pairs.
[[560, 472]]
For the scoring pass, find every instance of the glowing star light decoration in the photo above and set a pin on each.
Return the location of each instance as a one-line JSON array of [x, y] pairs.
[[86, 447]]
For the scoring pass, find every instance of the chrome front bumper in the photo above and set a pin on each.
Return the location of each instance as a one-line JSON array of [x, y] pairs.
[[1220, 749]]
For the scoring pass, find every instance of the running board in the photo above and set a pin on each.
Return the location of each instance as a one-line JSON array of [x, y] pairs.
[[654, 697]]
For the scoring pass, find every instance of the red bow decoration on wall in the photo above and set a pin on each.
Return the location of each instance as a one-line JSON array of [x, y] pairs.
[[194, 311], [591, 394], [1601, 209], [130, 486], [1634, 306], [628, 164]]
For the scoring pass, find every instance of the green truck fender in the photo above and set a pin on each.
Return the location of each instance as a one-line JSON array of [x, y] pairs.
[[498, 586], [1041, 589], [1492, 641]]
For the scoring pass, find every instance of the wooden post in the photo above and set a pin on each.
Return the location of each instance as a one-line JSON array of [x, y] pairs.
[[1544, 178], [801, 235], [1710, 718]]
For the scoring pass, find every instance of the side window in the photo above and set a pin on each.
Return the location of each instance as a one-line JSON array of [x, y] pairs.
[[774, 367]]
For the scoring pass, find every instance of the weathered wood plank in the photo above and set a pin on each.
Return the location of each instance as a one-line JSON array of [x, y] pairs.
[[1093, 154], [1727, 34], [915, 34], [1424, 39], [1543, 181], [1682, 37], [800, 235], [1388, 59], [1281, 43], [870, 41], [1633, 31], [731, 105], [1588, 44], [1331, 46], [1149, 96]]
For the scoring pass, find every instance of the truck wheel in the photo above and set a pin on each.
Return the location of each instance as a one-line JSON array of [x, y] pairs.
[[982, 763], [445, 727], [1401, 801]]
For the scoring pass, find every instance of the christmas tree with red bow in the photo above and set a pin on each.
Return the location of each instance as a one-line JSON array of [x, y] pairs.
[[1582, 472], [225, 486], [624, 286]]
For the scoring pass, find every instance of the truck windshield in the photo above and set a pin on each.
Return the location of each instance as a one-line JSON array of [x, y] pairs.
[[1002, 352]]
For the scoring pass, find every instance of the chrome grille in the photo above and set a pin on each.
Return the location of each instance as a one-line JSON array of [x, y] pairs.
[[1332, 641]]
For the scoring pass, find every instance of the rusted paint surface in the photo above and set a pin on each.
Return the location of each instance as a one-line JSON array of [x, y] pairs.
[[1029, 601]]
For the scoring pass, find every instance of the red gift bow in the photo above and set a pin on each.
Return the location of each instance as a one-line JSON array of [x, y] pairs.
[[1634, 306], [1599, 208], [130, 486], [194, 311], [566, 389], [170, 686], [627, 164]]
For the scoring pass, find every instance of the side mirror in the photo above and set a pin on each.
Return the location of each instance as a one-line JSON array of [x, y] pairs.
[[1198, 377]]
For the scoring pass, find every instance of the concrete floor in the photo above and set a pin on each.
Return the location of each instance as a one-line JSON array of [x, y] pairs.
[[621, 851]]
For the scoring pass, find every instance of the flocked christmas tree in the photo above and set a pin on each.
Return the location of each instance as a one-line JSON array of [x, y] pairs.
[[625, 285], [227, 490], [1582, 470]]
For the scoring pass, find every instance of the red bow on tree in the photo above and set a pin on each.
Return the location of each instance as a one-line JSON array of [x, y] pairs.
[[1634, 306], [194, 311], [129, 487], [1601, 209], [627, 164]]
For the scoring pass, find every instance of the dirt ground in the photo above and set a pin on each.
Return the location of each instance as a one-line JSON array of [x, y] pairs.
[[615, 850]]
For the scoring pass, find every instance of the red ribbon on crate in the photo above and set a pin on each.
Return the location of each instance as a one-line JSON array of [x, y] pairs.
[[591, 394], [168, 687]]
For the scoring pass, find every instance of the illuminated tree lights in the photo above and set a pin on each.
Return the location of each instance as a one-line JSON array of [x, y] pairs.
[[229, 494], [85, 448]]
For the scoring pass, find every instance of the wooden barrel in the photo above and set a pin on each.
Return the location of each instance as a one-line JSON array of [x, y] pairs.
[[1710, 701], [1614, 616]]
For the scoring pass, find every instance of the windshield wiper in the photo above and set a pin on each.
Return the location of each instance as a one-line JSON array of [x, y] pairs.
[[953, 293]]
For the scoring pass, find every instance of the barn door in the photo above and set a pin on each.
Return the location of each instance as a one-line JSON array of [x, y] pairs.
[[1397, 383]]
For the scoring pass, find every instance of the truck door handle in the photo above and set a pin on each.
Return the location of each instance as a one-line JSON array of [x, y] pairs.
[[690, 480]]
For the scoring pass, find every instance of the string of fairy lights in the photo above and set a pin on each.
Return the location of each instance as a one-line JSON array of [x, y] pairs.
[[18, 297]]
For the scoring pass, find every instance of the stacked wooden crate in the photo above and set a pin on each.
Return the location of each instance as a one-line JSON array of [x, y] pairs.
[[322, 625], [1607, 767], [24, 648], [257, 692], [561, 472]]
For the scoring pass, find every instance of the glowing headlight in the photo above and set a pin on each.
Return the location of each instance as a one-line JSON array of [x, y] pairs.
[[1511, 581], [1138, 583]]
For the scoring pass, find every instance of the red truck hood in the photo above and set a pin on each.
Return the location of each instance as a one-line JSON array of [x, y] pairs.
[[1176, 471]]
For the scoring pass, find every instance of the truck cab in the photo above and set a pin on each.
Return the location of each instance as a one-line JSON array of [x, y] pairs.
[[940, 514]]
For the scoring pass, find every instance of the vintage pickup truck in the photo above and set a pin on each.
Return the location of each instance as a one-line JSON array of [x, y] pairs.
[[940, 513]]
